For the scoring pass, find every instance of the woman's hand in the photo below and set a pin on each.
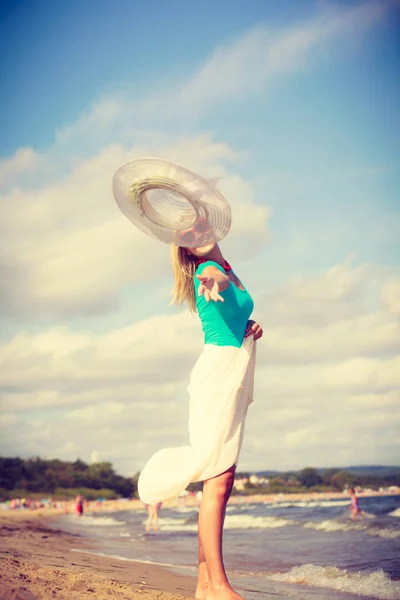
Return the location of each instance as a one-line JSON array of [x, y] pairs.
[[253, 328], [209, 288]]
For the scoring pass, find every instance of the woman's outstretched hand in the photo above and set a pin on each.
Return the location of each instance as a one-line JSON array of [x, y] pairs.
[[209, 288], [253, 328]]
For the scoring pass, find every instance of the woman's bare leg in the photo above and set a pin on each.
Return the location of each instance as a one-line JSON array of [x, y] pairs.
[[216, 494], [156, 508], [149, 517], [203, 578]]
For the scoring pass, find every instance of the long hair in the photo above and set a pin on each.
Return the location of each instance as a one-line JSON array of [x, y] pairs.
[[183, 268]]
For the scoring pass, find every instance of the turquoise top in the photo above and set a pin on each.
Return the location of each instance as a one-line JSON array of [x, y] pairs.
[[224, 323]]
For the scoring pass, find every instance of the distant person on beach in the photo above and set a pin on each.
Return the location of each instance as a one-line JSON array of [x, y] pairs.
[[221, 389], [355, 507], [152, 515], [79, 505], [199, 497]]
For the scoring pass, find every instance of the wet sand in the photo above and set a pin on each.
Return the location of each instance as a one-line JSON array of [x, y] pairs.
[[37, 564]]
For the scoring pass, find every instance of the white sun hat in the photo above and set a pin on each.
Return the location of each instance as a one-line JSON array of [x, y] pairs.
[[171, 203]]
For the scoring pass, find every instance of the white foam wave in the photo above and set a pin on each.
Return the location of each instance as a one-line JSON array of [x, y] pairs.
[[248, 522], [332, 525], [389, 534], [231, 522], [376, 584], [308, 504], [185, 509], [243, 521], [177, 525], [395, 513]]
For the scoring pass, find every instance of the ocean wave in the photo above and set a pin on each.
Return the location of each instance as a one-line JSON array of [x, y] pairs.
[[333, 525], [330, 525], [377, 584], [167, 524], [243, 521], [308, 504], [389, 534], [185, 509], [231, 522], [395, 513], [249, 522]]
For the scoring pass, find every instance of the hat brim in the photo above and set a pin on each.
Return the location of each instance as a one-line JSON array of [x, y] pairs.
[[171, 203]]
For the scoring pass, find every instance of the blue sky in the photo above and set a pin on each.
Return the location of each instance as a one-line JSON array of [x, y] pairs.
[[97, 47], [294, 106]]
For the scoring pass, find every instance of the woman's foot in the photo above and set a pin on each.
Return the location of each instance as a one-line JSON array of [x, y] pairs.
[[201, 591], [202, 581], [223, 593]]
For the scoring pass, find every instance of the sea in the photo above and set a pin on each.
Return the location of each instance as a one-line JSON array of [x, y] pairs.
[[296, 550]]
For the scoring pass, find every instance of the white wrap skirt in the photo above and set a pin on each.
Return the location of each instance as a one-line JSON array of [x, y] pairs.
[[221, 389]]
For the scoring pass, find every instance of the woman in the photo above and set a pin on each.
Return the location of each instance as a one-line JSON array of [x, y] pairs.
[[220, 390], [79, 505], [152, 515], [355, 507]]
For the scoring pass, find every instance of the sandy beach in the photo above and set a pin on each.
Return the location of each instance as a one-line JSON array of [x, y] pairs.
[[41, 562], [37, 563]]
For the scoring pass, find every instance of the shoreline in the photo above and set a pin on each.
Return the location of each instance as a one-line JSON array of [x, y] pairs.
[[121, 504], [40, 562]]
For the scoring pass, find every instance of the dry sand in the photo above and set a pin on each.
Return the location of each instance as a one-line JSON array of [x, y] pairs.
[[37, 564]]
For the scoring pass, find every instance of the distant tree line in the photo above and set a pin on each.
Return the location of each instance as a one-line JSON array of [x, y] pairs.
[[35, 475], [321, 480], [61, 479]]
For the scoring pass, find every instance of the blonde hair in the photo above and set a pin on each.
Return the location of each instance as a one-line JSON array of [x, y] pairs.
[[183, 268]]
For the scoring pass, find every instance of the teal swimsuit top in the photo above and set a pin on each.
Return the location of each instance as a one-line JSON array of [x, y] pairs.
[[223, 323]]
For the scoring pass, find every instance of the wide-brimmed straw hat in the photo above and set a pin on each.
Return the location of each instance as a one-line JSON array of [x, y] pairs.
[[171, 203]]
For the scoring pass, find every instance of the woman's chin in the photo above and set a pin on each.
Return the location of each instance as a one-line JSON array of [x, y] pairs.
[[203, 250]]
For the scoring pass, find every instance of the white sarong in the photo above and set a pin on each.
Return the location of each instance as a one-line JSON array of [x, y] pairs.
[[221, 389]]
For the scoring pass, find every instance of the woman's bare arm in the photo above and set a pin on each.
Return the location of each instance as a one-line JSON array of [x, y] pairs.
[[219, 277], [212, 282]]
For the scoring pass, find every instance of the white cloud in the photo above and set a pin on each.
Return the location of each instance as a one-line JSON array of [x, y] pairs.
[[298, 437], [376, 401], [102, 114], [352, 353], [337, 294], [23, 161], [390, 295], [364, 336], [243, 65], [60, 362], [65, 251], [329, 360], [352, 376], [7, 420], [330, 317], [249, 62], [69, 251], [316, 386]]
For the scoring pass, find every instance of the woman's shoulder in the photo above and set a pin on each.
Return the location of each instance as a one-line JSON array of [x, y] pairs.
[[208, 263]]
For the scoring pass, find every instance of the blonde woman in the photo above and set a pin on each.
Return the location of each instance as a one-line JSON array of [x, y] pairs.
[[221, 388]]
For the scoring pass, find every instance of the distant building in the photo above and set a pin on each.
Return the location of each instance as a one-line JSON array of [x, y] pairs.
[[240, 484]]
